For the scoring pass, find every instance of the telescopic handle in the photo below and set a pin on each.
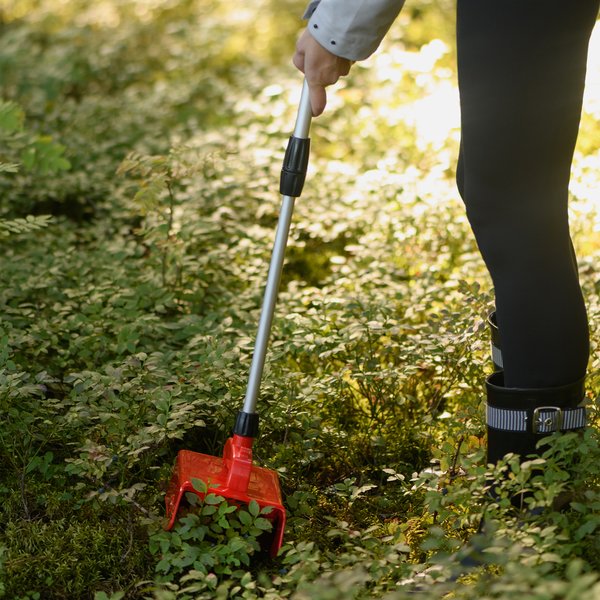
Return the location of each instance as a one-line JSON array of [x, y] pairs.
[[304, 113], [293, 174]]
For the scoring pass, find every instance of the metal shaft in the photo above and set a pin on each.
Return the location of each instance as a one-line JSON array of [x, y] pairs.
[[301, 130]]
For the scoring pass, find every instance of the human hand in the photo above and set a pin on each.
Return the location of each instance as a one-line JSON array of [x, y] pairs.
[[320, 67]]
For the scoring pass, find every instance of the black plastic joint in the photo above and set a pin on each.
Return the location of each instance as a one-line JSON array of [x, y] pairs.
[[246, 424], [294, 168]]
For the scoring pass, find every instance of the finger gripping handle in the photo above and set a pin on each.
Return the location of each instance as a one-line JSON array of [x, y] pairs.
[[295, 164]]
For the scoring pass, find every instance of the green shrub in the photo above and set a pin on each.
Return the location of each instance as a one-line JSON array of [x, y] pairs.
[[141, 144]]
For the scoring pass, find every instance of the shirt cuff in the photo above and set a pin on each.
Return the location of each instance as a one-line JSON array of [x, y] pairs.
[[351, 29]]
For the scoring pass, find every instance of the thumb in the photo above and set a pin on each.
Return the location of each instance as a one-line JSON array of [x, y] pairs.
[[318, 98]]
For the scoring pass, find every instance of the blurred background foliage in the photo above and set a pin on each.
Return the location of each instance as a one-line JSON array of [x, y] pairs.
[[141, 142]]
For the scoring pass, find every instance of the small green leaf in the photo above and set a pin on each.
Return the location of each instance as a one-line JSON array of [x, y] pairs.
[[236, 544], [587, 528], [9, 167], [191, 498], [213, 499], [245, 517], [199, 485], [11, 117], [263, 524]]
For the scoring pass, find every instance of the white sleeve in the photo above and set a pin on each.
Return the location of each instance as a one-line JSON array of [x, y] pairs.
[[352, 29]]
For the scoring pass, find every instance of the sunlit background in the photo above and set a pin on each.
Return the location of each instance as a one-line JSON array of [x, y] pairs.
[[418, 53], [217, 74]]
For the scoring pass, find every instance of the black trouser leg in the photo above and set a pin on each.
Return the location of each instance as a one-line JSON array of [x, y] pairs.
[[521, 68]]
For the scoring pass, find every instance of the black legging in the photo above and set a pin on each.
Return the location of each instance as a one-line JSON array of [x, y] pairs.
[[521, 70]]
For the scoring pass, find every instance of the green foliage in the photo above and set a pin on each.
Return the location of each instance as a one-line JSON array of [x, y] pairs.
[[11, 118], [208, 553], [29, 224], [66, 552], [141, 144], [37, 154]]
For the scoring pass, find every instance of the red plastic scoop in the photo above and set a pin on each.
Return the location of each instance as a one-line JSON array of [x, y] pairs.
[[234, 476]]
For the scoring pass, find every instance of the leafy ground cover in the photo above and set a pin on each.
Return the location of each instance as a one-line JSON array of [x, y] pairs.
[[141, 144]]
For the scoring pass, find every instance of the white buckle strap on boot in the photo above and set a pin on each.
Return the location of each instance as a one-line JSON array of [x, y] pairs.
[[518, 417], [496, 356], [543, 419], [495, 341]]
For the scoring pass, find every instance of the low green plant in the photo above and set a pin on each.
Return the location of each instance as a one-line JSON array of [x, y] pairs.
[[35, 154], [127, 320], [209, 552]]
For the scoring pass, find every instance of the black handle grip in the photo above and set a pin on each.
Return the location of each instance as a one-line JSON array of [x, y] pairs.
[[294, 168], [246, 424]]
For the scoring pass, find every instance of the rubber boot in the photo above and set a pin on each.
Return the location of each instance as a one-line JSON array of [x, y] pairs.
[[517, 418]]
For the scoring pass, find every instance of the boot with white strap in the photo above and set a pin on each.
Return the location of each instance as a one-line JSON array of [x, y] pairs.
[[518, 418]]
